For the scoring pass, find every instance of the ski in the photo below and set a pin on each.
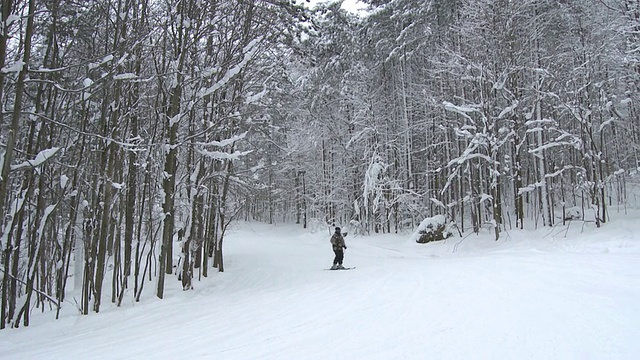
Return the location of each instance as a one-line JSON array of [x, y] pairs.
[[347, 268]]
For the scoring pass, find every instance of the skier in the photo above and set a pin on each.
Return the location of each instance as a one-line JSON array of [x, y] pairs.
[[337, 241]]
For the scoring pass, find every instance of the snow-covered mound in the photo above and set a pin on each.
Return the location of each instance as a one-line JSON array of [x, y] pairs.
[[557, 293], [431, 229]]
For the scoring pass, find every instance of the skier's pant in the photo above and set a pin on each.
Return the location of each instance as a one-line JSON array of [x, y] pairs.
[[339, 257]]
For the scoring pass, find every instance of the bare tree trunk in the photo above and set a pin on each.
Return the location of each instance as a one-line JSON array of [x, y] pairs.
[[172, 122], [17, 106], [15, 116], [546, 218], [6, 10], [105, 221]]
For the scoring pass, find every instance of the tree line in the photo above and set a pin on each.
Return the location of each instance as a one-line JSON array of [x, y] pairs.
[[495, 113], [121, 125]]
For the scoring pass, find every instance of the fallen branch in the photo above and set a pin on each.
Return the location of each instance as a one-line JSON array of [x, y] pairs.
[[49, 297]]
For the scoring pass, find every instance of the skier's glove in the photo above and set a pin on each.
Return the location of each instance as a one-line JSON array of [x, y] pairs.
[[345, 246]]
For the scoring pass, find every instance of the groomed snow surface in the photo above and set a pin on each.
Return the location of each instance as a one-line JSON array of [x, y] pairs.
[[553, 293]]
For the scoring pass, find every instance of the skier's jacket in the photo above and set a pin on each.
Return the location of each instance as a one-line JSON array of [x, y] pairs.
[[337, 241]]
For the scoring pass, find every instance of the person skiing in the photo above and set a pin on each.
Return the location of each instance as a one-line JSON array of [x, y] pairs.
[[337, 241]]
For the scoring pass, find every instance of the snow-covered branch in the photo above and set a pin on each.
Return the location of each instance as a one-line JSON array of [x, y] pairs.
[[461, 110], [249, 52], [42, 157], [224, 142], [220, 155]]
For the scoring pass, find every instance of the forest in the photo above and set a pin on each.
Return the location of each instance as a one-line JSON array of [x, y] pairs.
[[134, 132]]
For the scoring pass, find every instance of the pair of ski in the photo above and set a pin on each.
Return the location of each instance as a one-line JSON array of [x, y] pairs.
[[344, 268]]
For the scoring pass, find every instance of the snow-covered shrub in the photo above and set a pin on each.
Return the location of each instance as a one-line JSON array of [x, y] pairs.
[[432, 229], [315, 224], [573, 213], [356, 226]]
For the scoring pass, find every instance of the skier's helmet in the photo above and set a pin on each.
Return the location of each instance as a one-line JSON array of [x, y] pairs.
[[337, 230]]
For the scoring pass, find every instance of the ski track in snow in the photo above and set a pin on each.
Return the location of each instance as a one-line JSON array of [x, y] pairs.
[[530, 298]]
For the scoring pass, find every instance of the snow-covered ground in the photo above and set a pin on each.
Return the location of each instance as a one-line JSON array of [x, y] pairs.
[[548, 294]]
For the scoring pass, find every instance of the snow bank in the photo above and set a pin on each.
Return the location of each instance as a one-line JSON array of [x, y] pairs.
[[567, 292]]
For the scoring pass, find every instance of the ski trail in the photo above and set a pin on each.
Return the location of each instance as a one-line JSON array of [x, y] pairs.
[[403, 301]]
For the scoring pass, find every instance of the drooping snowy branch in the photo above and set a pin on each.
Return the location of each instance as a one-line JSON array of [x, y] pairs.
[[253, 98], [469, 156], [438, 203], [16, 67], [529, 188], [563, 139], [548, 146], [484, 197], [556, 173], [562, 170], [14, 208], [540, 123], [102, 61], [358, 135], [461, 110], [40, 159], [125, 76], [221, 155], [371, 178], [40, 233], [224, 142], [508, 110], [249, 52]]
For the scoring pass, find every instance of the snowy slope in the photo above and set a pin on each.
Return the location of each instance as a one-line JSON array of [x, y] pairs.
[[531, 295]]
